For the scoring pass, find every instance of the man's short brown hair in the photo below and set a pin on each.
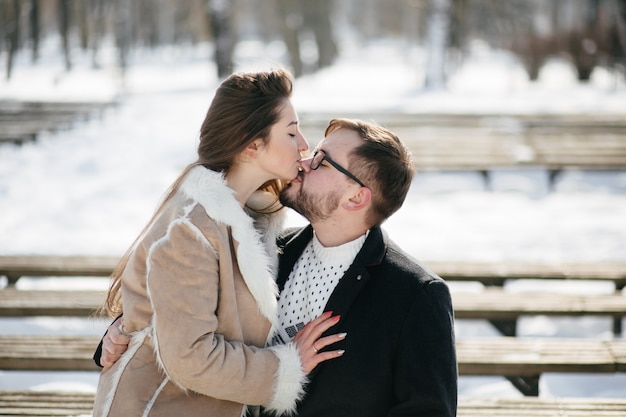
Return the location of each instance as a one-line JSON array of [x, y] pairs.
[[382, 162]]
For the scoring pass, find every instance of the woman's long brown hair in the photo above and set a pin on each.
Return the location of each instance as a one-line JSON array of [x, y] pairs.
[[244, 108]]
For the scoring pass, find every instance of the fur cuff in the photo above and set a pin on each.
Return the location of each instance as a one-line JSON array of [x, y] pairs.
[[290, 380]]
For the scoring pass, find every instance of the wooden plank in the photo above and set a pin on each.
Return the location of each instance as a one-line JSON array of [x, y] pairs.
[[490, 304], [48, 353], [482, 142], [496, 273], [45, 404], [494, 303], [62, 403], [39, 108], [511, 356], [489, 273], [18, 303], [505, 356], [540, 407], [618, 350], [14, 267]]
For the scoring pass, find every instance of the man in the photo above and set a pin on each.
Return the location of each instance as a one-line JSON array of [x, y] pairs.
[[399, 350]]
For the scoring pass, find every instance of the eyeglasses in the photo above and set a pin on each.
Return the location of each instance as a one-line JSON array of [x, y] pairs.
[[320, 156]]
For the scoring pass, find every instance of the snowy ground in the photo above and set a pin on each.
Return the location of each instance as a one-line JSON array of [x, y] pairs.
[[90, 189]]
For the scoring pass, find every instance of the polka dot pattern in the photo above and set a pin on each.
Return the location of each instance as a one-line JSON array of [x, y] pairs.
[[310, 284]]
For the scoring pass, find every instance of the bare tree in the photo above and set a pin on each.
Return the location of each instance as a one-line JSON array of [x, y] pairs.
[[291, 21], [317, 19], [65, 7], [219, 13], [34, 28], [437, 42], [122, 27], [11, 22]]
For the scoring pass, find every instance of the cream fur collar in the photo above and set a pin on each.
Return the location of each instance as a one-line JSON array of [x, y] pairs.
[[257, 255]]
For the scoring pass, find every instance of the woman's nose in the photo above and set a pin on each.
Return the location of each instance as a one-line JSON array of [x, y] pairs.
[[303, 144], [305, 163]]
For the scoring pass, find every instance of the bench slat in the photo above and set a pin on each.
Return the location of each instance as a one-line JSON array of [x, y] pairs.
[[505, 356], [494, 303], [490, 304], [540, 407], [18, 303], [35, 403], [510, 356], [52, 404], [48, 353], [489, 273]]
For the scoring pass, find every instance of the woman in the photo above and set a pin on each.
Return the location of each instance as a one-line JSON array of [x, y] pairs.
[[197, 288]]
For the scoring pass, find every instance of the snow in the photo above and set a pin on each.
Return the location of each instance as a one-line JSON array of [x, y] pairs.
[[89, 189]]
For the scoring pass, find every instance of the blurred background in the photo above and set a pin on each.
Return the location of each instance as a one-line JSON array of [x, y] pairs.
[[515, 111], [309, 35]]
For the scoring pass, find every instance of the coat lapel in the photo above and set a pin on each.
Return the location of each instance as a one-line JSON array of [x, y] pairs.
[[357, 276]]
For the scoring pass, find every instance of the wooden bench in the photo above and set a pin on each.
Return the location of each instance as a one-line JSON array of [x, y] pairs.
[[521, 360], [18, 303], [23, 121], [482, 142], [45, 403], [497, 273], [487, 273], [499, 307], [14, 267], [502, 309], [541, 407], [61, 403]]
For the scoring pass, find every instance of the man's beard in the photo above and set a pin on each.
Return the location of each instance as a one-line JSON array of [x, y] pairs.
[[313, 208]]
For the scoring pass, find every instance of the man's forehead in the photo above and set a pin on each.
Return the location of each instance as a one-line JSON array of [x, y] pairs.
[[342, 140]]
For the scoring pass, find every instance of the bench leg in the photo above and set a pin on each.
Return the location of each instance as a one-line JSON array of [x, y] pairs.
[[552, 177], [617, 326], [486, 178], [527, 385], [12, 279], [505, 327]]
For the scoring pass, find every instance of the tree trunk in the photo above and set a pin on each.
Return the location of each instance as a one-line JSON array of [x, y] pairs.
[[84, 25], [12, 32], [122, 31], [64, 28], [437, 38], [219, 14], [34, 28], [290, 17], [96, 15], [317, 14]]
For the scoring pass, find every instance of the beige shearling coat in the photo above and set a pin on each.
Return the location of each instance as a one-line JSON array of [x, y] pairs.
[[199, 299]]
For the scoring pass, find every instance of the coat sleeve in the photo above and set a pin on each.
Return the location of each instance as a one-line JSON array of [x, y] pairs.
[[425, 368], [183, 286]]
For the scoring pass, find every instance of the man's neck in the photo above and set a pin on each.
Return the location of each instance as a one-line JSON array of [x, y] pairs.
[[331, 234]]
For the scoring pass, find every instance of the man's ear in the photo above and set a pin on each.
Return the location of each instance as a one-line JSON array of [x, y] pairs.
[[360, 200]]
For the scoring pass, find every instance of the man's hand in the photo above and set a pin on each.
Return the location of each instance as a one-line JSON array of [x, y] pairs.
[[114, 343]]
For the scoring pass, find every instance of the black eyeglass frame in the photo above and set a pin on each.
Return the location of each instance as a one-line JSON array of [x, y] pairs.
[[316, 162]]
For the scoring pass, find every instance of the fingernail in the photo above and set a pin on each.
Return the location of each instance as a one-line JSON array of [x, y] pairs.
[[342, 335], [328, 313], [336, 318], [341, 352]]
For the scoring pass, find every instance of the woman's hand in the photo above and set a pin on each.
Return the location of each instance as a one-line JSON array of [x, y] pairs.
[[310, 343], [114, 343]]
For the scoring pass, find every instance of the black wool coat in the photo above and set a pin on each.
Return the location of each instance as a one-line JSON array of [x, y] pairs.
[[400, 357]]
